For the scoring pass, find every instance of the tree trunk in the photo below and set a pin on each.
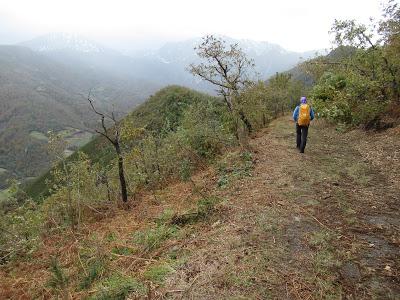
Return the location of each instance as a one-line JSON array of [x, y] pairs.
[[228, 103], [108, 189], [241, 115], [121, 173], [246, 121]]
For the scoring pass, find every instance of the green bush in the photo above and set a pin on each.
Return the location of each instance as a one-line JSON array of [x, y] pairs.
[[20, 231], [347, 98], [368, 114], [204, 130], [165, 217], [335, 111]]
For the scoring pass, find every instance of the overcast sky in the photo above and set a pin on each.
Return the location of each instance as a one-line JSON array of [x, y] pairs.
[[295, 25]]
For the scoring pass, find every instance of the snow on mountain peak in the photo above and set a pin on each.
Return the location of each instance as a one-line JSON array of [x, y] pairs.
[[63, 41]]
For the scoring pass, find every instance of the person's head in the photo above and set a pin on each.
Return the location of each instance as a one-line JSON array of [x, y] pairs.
[[303, 100]]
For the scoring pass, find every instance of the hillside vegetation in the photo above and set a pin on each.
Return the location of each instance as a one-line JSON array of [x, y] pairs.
[[165, 139], [161, 112], [38, 94], [358, 83], [245, 227]]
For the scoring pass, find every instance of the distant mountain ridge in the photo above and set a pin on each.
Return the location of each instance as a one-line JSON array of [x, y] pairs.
[[63, 41], [269, 58], [164, 66], [42, 82]]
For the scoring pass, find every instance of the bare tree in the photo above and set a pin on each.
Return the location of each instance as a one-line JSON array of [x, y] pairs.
[[113, 135], [227, 68]]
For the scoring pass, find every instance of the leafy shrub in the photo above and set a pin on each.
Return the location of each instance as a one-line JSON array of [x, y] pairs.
[[338, 112], [20, 231], [204, 130], [361, 77], [368, 114], [263, 102]]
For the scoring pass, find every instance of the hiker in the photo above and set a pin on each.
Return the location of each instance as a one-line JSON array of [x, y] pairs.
[[302, 115]]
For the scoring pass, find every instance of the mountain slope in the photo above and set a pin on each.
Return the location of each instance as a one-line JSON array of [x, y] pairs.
[[93, 60], [269, 58], [42, 88], [334, 56], [164, 108], [164, 66], [38, 94], [63, 41], [272, 235]]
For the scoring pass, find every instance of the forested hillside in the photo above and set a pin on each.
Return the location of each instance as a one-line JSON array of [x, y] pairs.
[[37, 95], [161, 112]]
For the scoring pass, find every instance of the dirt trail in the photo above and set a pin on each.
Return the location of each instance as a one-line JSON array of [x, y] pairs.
[[323, 225]]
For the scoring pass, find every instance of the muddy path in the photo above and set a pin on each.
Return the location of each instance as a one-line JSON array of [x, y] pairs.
[[323, 225]]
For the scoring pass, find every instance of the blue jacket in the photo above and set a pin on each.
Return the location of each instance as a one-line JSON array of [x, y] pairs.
[[296, 113]]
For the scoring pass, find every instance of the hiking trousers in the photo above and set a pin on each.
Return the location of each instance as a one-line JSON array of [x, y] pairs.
[[301, 137]]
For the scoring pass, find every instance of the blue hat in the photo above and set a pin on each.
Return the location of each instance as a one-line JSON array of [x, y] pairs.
[[303, 100]]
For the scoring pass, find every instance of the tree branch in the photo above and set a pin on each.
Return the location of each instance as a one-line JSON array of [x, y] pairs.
[[106, 136], [211, 80]]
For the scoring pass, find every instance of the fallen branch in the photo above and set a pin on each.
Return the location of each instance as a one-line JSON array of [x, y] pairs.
[[95, 210]]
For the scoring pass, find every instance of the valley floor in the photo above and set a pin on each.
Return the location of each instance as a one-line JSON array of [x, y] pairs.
[[322, 225]]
